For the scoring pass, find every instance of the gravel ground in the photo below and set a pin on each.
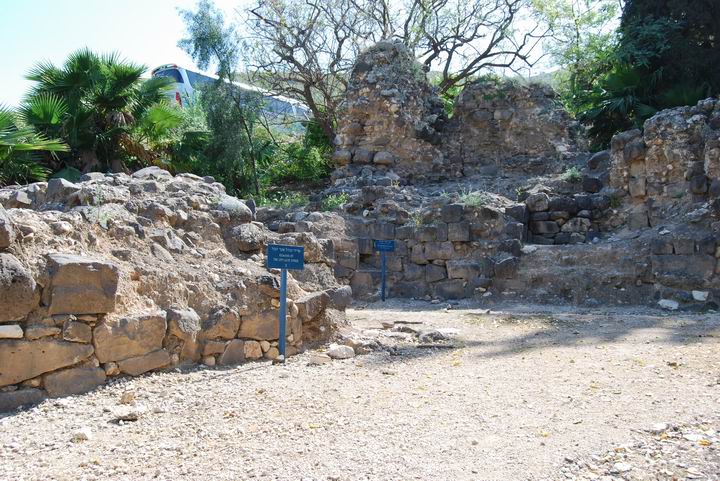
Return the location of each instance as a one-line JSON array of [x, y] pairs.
[[519, 393]]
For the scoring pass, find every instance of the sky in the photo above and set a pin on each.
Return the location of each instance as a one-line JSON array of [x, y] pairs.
[[143, 31]]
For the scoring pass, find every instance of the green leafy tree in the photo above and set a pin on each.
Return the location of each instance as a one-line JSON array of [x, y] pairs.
[[582, 44], [21, 150], [95, 102], [678, 41], [235, 146]]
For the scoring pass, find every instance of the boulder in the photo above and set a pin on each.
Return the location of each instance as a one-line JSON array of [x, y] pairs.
[[12, 400], [248, 237], [252, 350], [339, 351], [263, 325], [11, 331], [7, 233], [73, 381], [223, 323], [537, 202], [129, 337], [59, 190], [80, 285], [340, 297], [468, 270], [135, 366], [77, 331], [311, 305], [17, 289], [234, 353], [152, 172], [235, 208], [21, 360], [183, 329]]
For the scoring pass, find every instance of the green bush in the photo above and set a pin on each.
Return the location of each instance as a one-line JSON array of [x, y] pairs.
[[334, 201], [572, 175], [474, 198]]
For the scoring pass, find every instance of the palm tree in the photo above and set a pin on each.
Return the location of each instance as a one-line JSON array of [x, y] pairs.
[[94, 102], [21, 148]]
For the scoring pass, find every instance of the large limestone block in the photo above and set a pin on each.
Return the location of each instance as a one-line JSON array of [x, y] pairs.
[[234, 353], [73, 381], [17, 289], [120, 339], [21, 360], [12, 400], [135, 366], [263, 326], [80, 285], [223, 323], [312, 305]]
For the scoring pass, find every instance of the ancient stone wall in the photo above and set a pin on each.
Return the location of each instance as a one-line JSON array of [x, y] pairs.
[[391, 117], [506, 125], [393, 121], [673, 163], [120, 275]]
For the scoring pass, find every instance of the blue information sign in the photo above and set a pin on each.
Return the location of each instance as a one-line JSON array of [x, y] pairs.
[[384, 245], [285, 257]]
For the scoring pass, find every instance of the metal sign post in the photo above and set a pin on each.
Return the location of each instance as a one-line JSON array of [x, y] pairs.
[[284, 258], [383, 246]]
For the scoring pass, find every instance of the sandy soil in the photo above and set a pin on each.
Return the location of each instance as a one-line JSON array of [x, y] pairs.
[[519, 393]]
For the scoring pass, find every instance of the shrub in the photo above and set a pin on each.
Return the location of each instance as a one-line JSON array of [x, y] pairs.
[[334, 201], [572, 175], [474, 198]]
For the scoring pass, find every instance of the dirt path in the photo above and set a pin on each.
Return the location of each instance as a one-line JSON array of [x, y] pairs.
[[520, 397]]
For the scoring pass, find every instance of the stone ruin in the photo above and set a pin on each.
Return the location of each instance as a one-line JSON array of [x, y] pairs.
[[120, 275], [482, 204]]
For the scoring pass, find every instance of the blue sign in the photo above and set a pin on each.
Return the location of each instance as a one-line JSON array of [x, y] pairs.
[[384, 245], [285, 257]]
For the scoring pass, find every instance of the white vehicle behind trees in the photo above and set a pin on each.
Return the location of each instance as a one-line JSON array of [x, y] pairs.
[[283, 110]]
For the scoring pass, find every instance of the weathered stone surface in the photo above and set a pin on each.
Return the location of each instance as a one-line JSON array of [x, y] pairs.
[[59, 190], [9, 401], [340, 297], [21, 360], [252, 350], [11, 331], [451, 213], [262, 326], [73, 381], [459, 232], [17, 289], [339, 351], [38, 331], [7, 232], [80, 285], [77, 332], [537, 202], [235, 208], [439, 250], [234, 353], [223, 323], [135, 366], [545, 227], [467, 270], [248, 237], [451, 289], [435, 273], [183, 330], [124, 338], [312, 305], [683, 270], [214, 347]]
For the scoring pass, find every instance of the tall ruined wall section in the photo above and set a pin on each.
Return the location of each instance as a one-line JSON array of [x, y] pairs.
[[393, 122], [505, 125], [391, 118], [670, 165], [120, 275]]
